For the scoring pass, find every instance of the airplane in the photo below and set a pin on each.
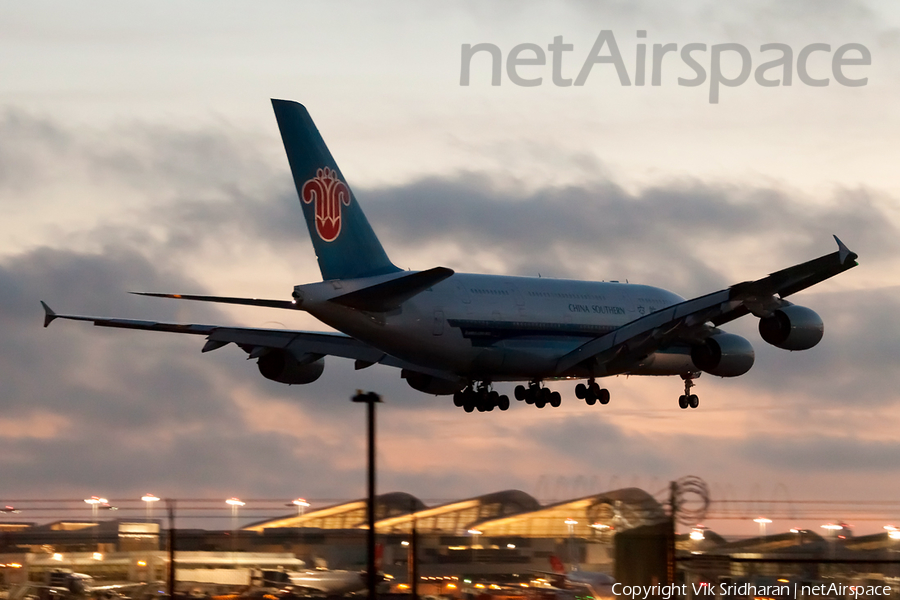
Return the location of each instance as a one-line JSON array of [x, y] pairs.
[[67, 584], [597, 585], [460, 334]]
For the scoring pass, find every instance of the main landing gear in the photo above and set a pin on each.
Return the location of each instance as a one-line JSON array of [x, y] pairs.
[[592, 392], [688, 399], [537, 395], [480, 397]]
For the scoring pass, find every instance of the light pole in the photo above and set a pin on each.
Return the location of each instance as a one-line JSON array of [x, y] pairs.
[[149, 499], [570, 524], [762, 525], [301, 505], [95, 503], [235, 504], [370, 399], [474, 533]]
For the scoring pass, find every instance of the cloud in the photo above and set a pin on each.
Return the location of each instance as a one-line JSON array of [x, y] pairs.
[[128, 410]]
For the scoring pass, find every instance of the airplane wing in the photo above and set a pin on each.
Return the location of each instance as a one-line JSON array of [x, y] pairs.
[[687, 320], [256, 341]]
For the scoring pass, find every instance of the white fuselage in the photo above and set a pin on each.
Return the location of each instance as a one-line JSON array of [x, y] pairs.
[[500, 327]]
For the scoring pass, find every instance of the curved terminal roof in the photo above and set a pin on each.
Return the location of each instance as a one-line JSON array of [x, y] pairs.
[[456, 518], [506, 513], [589, 516], [349, 515]]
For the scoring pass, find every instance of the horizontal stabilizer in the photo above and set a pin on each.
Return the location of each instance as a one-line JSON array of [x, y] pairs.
[[391, 294], [225, 300]]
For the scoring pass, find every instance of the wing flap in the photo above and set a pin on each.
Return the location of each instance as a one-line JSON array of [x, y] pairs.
[[299, 342]]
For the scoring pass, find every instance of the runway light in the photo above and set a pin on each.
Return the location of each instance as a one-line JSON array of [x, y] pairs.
[[142, 563], [57, 557], [511, 546], [14, 565], [832, 527], [571, 522], [97, 556], [451, 586], [404, 543], [149, 498], [762, 520], [480, 586], [234, 502]]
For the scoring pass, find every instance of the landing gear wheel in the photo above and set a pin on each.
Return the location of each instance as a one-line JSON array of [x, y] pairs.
[[590, 399], [459, 398], [689, 399], [604, 396], [503, 402], [581, 392], [555, 399], [469, 407], [521, 392]]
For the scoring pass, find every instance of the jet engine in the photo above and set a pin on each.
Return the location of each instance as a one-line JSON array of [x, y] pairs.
[[792, 327], [430, 384], [284, 367], [723, 354]]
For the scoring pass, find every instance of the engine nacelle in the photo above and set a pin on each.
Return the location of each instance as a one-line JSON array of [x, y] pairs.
[[430, 384], [723, 354], [792, 327], [282, 366]]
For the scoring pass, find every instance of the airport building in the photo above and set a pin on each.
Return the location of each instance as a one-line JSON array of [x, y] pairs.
[[498, 537]]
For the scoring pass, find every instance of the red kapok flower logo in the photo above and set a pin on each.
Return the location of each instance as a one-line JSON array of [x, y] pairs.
[[328, 193]]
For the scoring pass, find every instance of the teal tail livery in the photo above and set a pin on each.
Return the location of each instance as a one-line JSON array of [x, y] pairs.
[[346, 247], [462, 334]]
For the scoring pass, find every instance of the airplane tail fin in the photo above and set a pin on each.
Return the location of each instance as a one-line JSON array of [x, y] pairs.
[[557, 565], [345, 244]]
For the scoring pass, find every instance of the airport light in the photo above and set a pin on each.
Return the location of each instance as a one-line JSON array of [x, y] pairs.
[[95, 502], [404, 543], [57, 557], [762, 525], [474, 533], [97, 556], [832, 527], [697, 533], [235, 504], [149, 499], [301, 505], [570, 524], [892, 532]]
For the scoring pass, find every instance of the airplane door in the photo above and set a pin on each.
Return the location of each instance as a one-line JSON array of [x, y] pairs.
[[438, 327]]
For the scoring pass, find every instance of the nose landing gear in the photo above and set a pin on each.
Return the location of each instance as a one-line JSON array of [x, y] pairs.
[[688, 399]]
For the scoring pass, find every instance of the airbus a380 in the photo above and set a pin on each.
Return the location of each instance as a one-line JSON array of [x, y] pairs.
[[456, 333]]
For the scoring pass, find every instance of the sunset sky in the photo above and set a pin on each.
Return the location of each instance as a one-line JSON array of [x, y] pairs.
[[139, 152]]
